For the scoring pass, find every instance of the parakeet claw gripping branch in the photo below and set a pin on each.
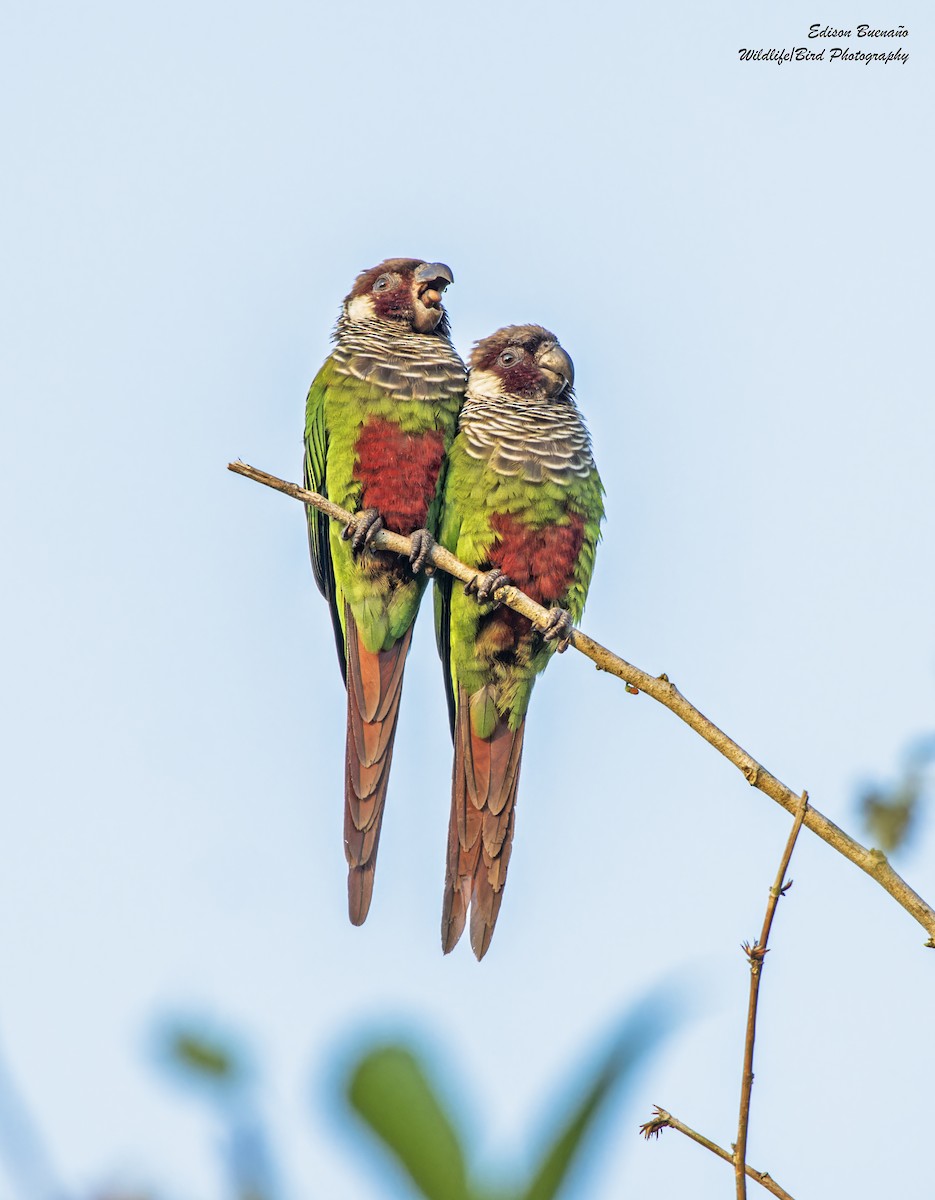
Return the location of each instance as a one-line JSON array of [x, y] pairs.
[[522, 503], [380, 416]]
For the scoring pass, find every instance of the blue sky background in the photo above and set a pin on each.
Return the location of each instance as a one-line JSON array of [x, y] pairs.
[[739, 259]]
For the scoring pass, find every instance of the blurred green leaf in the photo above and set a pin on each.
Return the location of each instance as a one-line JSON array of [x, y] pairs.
[[640, 1035], [891, 812], [889, 816], [390, 1091], [202, 1057]]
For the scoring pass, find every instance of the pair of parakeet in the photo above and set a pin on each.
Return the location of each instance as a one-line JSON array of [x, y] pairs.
[[496, 464]]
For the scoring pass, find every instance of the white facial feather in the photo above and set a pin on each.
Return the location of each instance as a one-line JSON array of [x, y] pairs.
[[360, 308], [485, 383]]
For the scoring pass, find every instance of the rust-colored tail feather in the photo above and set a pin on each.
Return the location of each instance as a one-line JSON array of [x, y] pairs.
[[374, 686], [480, 830]]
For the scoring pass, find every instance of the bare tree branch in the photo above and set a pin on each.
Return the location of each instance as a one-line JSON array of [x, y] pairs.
[[664, 1120], [756, 955], [873, 862]]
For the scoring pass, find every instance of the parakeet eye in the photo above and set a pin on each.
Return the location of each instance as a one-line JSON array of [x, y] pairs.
[[509, 357], [382, 283]]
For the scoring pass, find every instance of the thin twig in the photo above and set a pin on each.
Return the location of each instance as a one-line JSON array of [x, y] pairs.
[[873, 862], [664, 1120], [756, 954]]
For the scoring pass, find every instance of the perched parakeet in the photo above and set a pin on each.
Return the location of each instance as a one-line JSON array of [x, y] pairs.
[[521, 503], [380, 416]]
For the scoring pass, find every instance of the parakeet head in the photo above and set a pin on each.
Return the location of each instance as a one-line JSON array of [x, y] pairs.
[[405, 290], [522, 362]]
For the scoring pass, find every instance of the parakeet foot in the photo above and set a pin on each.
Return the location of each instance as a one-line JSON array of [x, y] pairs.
[[559, 629], [484, 586], [422, 545], [360, 531]]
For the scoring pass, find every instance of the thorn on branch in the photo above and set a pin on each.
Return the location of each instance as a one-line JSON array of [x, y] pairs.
[[785, 887]]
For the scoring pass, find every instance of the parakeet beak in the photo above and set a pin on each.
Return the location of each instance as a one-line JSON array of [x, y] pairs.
[[429, 281], [552, 359]]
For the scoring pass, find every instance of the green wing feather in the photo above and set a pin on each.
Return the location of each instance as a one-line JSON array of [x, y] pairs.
[[319, 526]]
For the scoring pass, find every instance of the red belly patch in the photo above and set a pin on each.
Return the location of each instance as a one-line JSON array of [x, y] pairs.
[[399, 472], [540, 562]]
